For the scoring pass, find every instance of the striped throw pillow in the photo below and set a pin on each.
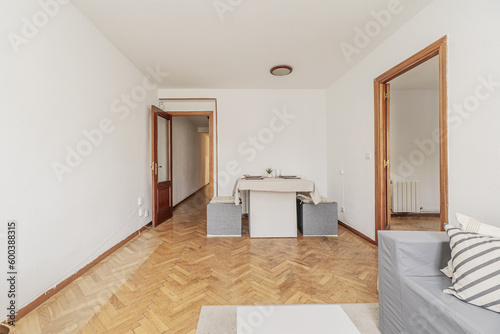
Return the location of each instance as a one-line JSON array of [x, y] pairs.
[[476, 268]]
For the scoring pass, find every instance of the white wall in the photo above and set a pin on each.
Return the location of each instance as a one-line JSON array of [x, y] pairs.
[[205, 157], [414, 154], [189, 166], [63, 81], [474, 139], [266, 128]]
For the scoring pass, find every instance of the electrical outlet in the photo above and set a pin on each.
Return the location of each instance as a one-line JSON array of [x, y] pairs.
[[146, 213], [342, 209]]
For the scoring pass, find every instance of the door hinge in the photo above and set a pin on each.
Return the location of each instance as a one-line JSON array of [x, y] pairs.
[[386, 96], [386, 163]]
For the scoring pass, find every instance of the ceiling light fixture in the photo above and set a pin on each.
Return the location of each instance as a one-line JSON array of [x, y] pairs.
[[281, 70]]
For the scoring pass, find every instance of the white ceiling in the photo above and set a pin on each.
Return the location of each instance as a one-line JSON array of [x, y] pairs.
[[189, 39], [424, 76]]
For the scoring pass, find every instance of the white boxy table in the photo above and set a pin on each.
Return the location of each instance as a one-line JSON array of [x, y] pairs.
[[273, 211]]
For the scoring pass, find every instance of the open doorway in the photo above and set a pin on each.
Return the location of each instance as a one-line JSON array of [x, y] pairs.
[[191, 156], [414, 148], [383, 140]]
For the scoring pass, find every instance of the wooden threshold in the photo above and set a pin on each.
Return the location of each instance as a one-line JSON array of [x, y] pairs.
[[38, 301], [416, 215]]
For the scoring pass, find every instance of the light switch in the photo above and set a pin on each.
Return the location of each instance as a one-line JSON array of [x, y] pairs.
[[368, 156]]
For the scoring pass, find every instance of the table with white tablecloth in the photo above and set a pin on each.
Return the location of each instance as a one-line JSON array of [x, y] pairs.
[[272, 202]]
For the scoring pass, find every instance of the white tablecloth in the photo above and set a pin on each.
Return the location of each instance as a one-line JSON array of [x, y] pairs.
[[277, 185]]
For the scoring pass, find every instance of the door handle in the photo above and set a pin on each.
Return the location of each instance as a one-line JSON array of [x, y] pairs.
[[155, 167]]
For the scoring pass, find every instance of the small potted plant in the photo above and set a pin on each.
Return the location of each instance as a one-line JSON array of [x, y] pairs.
[[269, 172]]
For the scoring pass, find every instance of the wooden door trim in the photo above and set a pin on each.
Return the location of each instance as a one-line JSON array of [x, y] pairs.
[[189, 113], [437, 48], [210, 115], [387, 117]]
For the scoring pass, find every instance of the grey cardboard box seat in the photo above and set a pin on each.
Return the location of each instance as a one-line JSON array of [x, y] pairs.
[[317, 220], [223, 217], [411, 297]]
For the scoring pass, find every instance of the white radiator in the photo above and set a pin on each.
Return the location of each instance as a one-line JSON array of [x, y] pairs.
[[405, 196]]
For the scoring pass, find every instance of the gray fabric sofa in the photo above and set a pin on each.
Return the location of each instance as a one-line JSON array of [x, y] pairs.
[[410, 288]]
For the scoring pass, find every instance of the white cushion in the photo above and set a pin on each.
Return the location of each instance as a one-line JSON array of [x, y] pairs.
[[476, 268], [470, 224], [326, 200], [307, 199], [222, 200]]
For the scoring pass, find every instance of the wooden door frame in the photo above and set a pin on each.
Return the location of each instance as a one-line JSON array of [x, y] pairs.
[[387, 152], [210, 115], [215, 119], [437, 48]]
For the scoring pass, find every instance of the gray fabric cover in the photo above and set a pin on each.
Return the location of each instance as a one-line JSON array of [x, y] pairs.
[[320, 219], [410, 288], [223, 219]]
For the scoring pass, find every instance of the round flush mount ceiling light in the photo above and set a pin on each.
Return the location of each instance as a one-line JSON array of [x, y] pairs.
[[281, 70]]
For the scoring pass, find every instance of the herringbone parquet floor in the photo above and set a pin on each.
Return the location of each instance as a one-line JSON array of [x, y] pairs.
[[158, 282], [410, 223]]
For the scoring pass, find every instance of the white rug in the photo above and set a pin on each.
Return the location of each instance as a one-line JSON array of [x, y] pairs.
[[222, 319]]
